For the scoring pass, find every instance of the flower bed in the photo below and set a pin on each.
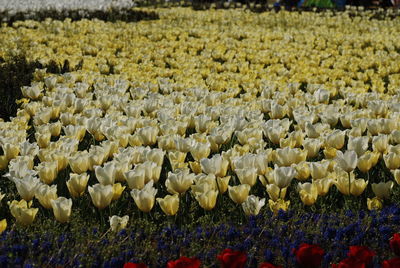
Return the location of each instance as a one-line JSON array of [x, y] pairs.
[[199, 122]]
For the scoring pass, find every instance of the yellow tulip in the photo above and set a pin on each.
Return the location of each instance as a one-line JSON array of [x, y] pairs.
[[77, 184], [275, 206], [380, 144], [323, 185], [207, 200], [247, 176], [3, 162], [308, 193], [319, 170], [145, 197], [47, 171], [179, 182], [118, 189], [45, 193], [3, 225], [275, 193], [61, 208], [382, 189], [223, 184], [374, 203], [22, 211], [239, 193], [392, 160], [101, 195], [303, 171], [169, 204], [367, 161], [10, 150]]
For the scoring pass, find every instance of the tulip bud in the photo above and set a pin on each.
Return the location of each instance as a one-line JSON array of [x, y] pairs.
[[61, 208], [169, 204]]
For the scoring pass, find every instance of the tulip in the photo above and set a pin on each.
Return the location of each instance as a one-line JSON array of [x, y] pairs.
[[330, 152], [335, 139], [3, 225], [247, 176], [45, 193], [195, 167], [358, 144], [120, 168], [3, 162], [308, 193], [101, 195], [79, 163], [380, 144], [179, 182], [349, 185], [200, 150], [367, 161], [11, 150], [144, 198], [118, 189], [47, 171], [216, 165], [312, 146], [22, 211], [319, 170], [275, 193], [361, 253], [118, 223], [156, 156], [239, 193], [43, 139], [392, 263], [280, 204], [223, 184], [309, 256], [392, 160], [288, 156], [135, 178], [106, 175], [26, 186], [169, 204], [232, 259], [347, 161], [134, 265], [207, 200], [396, 175], [323, 185], [77, 184], [283, 176], [374, 203], [148, 135], [253, 205], [27, 148], [184, 262], [61, 208], [303, 171], [151, 170], [382, 189]]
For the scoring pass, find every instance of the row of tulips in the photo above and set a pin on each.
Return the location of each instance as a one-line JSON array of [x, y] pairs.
[[307, 256]]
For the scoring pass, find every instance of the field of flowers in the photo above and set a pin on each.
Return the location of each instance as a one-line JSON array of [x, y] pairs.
[[226, 136]]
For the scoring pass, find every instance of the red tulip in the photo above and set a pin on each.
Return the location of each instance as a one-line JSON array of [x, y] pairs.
[[395, 244], [309, 256], [184, 262], [392, 263], [361, 254], [232, 259], [134, 265], [269, 265]]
